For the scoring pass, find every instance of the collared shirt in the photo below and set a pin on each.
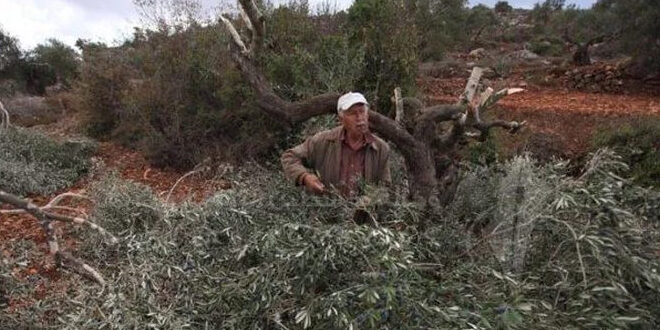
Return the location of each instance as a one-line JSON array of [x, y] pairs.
[[352, 164], [321, 154]]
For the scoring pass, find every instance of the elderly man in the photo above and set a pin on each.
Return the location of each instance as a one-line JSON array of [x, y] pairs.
[[342, 156]]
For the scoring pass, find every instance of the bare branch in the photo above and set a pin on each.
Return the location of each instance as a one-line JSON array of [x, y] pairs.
[[57, 199], [471, 86], [255, 22], [4, 118], [484, 128], [491, 99], [45, 220], [398, 103], [234, 35]]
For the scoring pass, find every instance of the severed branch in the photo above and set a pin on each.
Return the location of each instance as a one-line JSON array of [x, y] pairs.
[[234, 35], [46, 221], [255, 22], [4, 117]]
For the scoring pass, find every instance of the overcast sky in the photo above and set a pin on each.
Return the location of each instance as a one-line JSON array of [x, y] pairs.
[[34, 21]]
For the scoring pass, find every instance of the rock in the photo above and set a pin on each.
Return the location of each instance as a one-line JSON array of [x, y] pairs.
[[478, 53], [524, 54]]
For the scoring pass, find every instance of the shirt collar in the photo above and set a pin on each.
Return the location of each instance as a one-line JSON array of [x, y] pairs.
[[369, 138]]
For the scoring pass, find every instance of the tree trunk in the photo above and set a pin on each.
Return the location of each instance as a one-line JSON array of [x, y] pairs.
[[429, 156], [581, 55]]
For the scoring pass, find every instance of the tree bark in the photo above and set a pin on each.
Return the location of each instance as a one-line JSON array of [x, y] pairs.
[[429, 157]]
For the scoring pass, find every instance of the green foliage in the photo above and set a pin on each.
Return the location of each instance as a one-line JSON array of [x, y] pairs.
[[503, 7], [639, 21], [638, 143], [60, 59], [10, 55], [39, 68], [562, 253], [483, 153], [300, 63], [479, 18], [440, 25], [125, 207], [31, 163], [176, 96], [389, 38], [547, 46]]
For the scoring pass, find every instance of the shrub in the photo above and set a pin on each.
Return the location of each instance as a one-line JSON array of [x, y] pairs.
[[503, 7], [176, 96], [60, 59], [544, 47], [638, 143], [31, 163]]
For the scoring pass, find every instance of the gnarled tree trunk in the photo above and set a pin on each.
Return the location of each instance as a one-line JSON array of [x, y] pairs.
[[428, 154]]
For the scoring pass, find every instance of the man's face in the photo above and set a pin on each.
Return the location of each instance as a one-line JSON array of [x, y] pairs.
[[355, 119]]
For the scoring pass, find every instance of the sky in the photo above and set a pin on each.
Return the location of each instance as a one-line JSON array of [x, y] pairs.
[[111, 21]]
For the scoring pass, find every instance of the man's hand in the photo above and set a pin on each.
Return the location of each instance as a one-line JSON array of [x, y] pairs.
[[313, 184]]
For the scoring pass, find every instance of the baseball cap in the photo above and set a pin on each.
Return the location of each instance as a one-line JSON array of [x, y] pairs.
[[349, 99]]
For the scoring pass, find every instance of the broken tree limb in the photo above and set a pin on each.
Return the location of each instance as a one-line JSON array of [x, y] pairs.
[[4, 117], [471, 86], [54, 204], [234, 34], [46, 221], [255, 21], [429, 155], [398, 104]]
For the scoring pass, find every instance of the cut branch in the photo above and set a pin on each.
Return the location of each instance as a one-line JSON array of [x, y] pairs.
[[255, 22], [398, 104], [46, 221], [234, 35], [4, 117]]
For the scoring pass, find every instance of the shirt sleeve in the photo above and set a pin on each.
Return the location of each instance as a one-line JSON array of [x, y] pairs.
[[292, 161]]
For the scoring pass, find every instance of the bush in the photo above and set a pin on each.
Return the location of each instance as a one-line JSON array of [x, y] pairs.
[[176, 96], [59, 58], [31, 163], [545, 47], [503, 7], [638, 143], [441, 27]]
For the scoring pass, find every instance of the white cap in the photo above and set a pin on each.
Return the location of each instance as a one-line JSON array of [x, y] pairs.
[[349, 99]]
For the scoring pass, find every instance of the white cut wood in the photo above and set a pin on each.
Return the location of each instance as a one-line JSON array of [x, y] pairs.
[[398, 102]]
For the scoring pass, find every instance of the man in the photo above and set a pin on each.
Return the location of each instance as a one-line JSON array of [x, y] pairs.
[[342, 156]]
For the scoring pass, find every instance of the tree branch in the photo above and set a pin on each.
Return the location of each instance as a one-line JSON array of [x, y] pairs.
[[45, 220], [255, 22], [234, 35], [4, 118]]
